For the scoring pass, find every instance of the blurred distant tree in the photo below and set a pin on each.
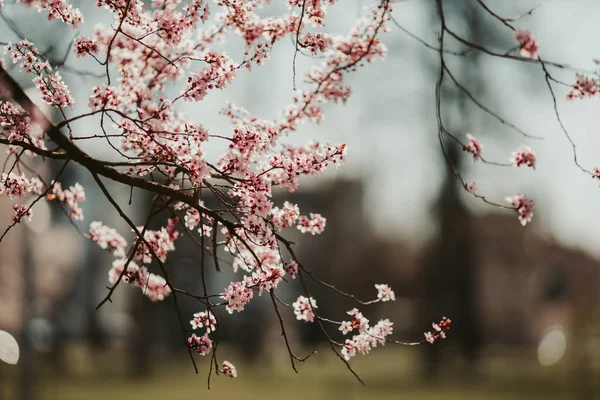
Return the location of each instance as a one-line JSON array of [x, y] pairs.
[[157, 55]]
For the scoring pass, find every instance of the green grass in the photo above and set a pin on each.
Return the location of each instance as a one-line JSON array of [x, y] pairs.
[[390, 374]]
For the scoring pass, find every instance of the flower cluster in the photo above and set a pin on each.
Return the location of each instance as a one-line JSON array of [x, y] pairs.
[[524, 156], [13, 185], [153, 286], [528, 46], [384, 293], [53, 89], [107, 238], [58, 9], [16, 127], [204, 319], [150, 48], [71, 197], [584, 87], [314, 225], [202, 344], [368, 337], [304, 308], [523, 206], [21, 210], [85, 46], [439, 330], [237, 295], [161, 242]]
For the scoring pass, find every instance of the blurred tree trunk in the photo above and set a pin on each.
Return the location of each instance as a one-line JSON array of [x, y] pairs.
[[26, 380], [451, 281]]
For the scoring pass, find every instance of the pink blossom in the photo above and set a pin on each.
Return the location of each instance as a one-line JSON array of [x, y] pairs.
[[368, 337], [13, 185], [229, 369], [204, 319], [153, 286], [71, 197], [470, 187], [237, 295], [384, 293], [107, 238], [345, 327], [202, 344], [439, 330], [524, 156], [429, 337], [474, 147], [192, 218], [303, 308], [291, 268], [584, 87], [528, 45], [58, 9], [21, 210], [314, 225], [523, 206], [85, 46]]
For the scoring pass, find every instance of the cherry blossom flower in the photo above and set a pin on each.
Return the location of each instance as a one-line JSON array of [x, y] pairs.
[[107, 238], [384, 293], [291, 268], [153, 286], [202, 344], [584, 87], [439, 330], [368, 337], [524, 156], [528, 45], [85, 46], [474, 147], [314, 225], [470, 187], [237, 295], [345, 327], [204, 319], [523, 206], [303, 308], [13, 185], [71, 197], [429, 337], [229, 369], [21, 210], [58, 9]]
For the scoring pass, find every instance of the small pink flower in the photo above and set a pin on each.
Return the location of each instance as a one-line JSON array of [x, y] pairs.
[[584, 87], [523, 206], [529, 47], [345, 327], [470, 187], [384, 293], [229, 369], [429, 337], [474, 147], [202, 344], [523, 156], [303, 308]]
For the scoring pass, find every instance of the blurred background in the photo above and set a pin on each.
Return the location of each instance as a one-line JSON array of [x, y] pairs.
[[523, 301]]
